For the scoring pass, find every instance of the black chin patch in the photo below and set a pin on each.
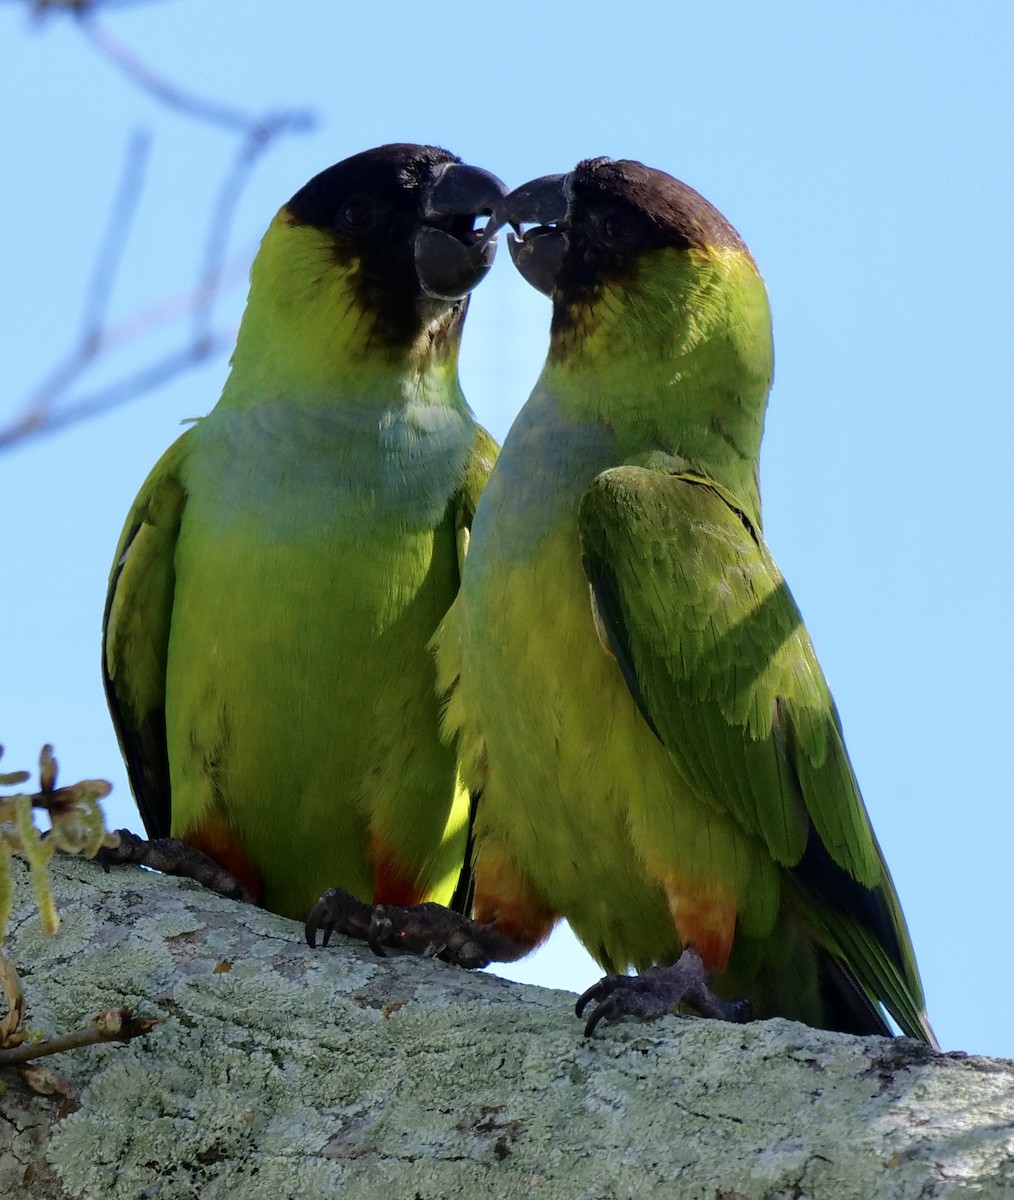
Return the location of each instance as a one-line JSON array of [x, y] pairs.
[[370, 207]]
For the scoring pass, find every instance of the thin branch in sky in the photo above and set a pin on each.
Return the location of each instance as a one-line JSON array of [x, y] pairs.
[[259, 131], [154, 375], [40, 415], [255, 144], [36, 414], [114, 242], [172, 95], [46, 409], [146, 320], [179, 304], [42, 8]]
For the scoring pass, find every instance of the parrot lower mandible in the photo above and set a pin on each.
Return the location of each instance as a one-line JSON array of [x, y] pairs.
[[631, 685], [288, 559]]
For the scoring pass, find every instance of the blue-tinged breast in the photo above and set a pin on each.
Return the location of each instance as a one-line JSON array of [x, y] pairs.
[[299, 471], [547, 461]]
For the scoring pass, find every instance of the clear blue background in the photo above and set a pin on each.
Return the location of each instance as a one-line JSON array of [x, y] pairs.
[[865, 154]]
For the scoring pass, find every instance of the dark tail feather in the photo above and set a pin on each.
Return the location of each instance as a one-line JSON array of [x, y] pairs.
[[848, 1008], [464, 891]]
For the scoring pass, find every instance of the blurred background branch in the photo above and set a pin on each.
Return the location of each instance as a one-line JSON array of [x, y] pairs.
[[59, 399]]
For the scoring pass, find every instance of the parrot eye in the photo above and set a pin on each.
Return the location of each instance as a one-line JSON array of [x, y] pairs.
[[357, 215], [615, 230]]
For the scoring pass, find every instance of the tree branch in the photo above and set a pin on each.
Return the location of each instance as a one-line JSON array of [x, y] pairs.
[[169, 93], [280, 1071], [47, 408]]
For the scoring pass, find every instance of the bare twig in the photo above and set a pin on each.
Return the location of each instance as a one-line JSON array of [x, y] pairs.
[[113, 1025], [169, 93], [92, 340], [46, 410], [153, 376], [42, 8], [95, 339], [37, 414], [178, 304], [121, 217], [256, 143]]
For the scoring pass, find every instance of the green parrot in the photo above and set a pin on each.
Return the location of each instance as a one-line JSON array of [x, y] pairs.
[[287, 561], [633, 691]]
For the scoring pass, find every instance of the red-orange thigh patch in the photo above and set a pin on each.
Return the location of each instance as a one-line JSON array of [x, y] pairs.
[[214, 838], [704, 913], [392, 883], [504, 896]]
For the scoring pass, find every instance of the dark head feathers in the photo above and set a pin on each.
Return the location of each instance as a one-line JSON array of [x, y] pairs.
[[398, 172], [370, 207], [662, 211]]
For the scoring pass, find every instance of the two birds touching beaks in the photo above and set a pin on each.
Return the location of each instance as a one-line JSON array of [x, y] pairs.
[[389, 682]]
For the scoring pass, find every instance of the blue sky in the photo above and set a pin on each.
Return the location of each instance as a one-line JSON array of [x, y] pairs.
[[863, 152]]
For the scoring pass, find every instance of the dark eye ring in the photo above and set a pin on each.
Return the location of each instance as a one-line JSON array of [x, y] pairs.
[[615, 229], [358, 214]]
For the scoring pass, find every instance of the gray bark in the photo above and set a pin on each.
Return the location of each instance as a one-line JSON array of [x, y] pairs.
[[333, 1073]]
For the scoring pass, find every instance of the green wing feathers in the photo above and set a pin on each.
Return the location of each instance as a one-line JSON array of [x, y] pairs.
[[135, 638], [714, 651]]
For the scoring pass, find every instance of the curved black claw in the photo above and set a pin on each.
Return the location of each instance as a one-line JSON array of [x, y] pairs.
[[657, 992], [438, 932], [173, 857], [338, 910], [429, 930], [422, 929], [131, 849]]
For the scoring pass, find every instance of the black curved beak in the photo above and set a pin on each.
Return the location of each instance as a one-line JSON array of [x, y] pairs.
[[537, 252], [451, 255]]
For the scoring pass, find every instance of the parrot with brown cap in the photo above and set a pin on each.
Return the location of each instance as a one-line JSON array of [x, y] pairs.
[[631, 686]]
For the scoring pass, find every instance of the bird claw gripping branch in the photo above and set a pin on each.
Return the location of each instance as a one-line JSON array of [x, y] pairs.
[[174, 857], [657, 992], [425, 929]]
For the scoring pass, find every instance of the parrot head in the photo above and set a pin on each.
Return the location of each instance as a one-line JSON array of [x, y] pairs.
[[634, 260], [375, 256], [661, 326]]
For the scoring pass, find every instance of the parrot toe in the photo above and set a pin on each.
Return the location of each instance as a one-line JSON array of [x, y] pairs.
[[436, 932], [338, 910], [173, 857], [428, 930], [657, 992]]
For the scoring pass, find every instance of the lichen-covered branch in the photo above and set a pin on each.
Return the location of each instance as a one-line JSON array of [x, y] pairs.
[[281, 1071]]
